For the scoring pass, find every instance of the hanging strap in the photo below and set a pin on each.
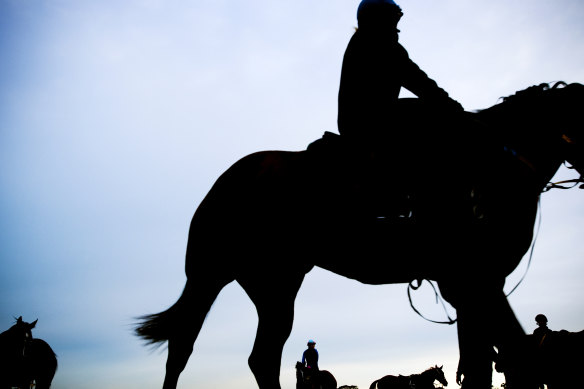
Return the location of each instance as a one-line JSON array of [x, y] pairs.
[[416, 287]]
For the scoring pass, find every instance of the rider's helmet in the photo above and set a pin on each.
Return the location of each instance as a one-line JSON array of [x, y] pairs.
[[310, 342], [376, 13], [541, 319]]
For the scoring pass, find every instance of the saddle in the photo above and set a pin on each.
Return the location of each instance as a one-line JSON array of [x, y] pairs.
[[363, 176]]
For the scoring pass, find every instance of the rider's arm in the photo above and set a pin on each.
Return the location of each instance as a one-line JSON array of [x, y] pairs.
[[417, 81]]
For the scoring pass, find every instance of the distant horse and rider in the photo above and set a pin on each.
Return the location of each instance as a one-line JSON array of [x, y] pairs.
[[25, 360], [424, 380], [472, 200], [555, 360]]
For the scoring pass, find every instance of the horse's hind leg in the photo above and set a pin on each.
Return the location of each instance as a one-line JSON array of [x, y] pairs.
[[273, 295]]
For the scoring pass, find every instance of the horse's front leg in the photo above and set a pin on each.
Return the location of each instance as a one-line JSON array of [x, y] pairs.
[[485, 321], [273, 292]]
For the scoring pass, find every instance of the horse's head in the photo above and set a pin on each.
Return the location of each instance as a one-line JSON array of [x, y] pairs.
[[19, 334], [22, 329], [542, 126], [439, 375], [299, 371]]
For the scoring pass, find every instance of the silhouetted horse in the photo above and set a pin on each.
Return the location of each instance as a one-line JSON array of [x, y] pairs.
[[321, 379], [472, 185], [24, 359], [424, 380]]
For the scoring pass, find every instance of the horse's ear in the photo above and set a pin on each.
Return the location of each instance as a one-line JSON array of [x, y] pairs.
[[19, 320], [440, 367], [33, 324]]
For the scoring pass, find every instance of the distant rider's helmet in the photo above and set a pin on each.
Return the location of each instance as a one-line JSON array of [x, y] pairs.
[[541, 319], [311, 342], [375, 13]]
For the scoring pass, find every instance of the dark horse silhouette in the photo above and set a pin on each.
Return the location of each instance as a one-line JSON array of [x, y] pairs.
[[424, 380], [472, 192], [321, 379], [24, 359]]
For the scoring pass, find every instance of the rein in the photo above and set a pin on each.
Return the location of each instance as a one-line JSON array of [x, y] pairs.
[[531, 250], [560, 184], [564, 184]]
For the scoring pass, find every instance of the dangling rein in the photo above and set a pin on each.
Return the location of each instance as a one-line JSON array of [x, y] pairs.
[[411, 286]]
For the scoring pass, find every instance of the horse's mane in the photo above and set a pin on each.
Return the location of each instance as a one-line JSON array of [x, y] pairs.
[[528, 93], [532, 91]]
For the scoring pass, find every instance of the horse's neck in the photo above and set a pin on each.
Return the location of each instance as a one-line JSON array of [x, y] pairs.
[[525, 136]]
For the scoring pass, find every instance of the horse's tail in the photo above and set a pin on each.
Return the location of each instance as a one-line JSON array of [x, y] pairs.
[[186, 314], [374, 384], [205, 277], [156, 328]]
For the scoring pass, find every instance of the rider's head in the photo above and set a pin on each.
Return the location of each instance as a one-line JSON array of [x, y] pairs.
[[378, 14], [311, 343], [541, 319]]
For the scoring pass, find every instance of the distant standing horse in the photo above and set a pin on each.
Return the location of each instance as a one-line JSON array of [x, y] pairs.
[[24, 359], [473, 197], [321, 379], [424, 380]]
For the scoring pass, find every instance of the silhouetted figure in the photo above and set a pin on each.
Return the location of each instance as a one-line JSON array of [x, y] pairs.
[[310, 356], [542, 329], [375, 68], [540, 334]]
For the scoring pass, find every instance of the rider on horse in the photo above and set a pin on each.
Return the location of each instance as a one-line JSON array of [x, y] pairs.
[[542, 329], [310, 356], [375, 67], [373, 123]]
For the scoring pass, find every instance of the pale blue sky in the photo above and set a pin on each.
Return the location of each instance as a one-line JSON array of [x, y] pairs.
[[117, 116]]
